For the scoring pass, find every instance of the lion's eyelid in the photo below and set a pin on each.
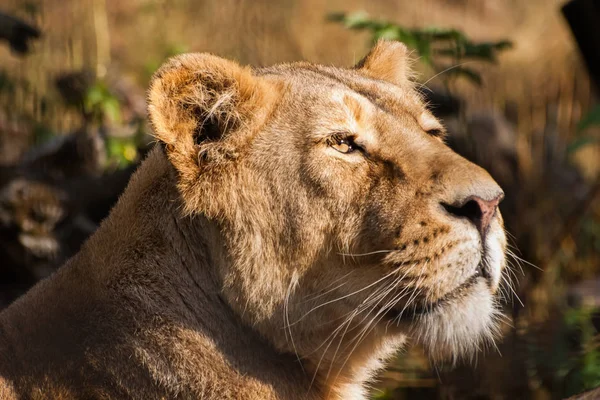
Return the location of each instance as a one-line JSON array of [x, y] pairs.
[[437, 132]]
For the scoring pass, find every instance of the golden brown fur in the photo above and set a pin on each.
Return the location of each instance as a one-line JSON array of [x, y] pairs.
[[252, 257]]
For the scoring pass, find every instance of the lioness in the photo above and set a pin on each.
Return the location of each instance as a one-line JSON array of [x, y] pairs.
[[294, 227]]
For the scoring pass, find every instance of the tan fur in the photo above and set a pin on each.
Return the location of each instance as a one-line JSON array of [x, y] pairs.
[[250, 259], [389, 62]]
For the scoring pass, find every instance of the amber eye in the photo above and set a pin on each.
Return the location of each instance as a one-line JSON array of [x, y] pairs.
[[344, 145]]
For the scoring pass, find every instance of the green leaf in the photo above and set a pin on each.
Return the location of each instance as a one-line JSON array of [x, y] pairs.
[[408, 39], [482, 51], [436, 33], [424, 49], [590, 119], [389, 33], [467, 73], [100, 103], [580, 142], [358, 20], [112, 109], [175, 49], [503, 45], [94, 97], [450, 52], [42, 133], [7, 86], [30, 7], [485, 51], [385, 394], [335, 17], [121, 151]]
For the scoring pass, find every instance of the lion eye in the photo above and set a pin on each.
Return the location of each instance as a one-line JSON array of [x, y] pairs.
[[343, 145], [436, 132]]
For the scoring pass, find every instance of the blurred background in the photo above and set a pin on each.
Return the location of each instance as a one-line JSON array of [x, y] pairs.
[[513, 80]]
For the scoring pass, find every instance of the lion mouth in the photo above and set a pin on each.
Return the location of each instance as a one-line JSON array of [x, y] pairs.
[[418, 310]]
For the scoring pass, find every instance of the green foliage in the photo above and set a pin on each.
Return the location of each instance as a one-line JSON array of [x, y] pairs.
[[30, 7], [152, 65], [101, 105], [571, 353], [584, 373], [442, 49], [7, 86], [386, 394], [580, 142], [121, 151], [592, 118], [41, 133], [590, 230]]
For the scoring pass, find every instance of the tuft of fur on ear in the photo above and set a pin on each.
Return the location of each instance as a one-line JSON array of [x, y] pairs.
[[389, 61]]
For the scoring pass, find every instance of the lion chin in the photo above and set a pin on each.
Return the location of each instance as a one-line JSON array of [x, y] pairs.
[[459, 328]]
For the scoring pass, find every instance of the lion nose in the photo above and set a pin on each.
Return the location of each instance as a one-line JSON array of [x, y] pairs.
[[476, 209]]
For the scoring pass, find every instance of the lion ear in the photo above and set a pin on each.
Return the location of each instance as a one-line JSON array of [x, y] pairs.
[[196, 99], [389, 61]]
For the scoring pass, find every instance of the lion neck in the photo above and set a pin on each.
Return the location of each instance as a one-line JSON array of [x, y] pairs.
[[187, 246]]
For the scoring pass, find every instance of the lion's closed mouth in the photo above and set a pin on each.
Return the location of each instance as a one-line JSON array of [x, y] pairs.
[[417, 310]]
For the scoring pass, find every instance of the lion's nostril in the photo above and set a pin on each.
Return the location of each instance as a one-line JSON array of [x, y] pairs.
[[477, 210], [470, 210]]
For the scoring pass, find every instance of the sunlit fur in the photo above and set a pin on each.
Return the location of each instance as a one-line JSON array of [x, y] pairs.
[[272, 265], [369, 222]]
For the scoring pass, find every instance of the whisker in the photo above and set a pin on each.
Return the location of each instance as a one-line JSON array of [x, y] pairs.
[[349, 321], [523, 260], [373, 297], [286, 321], [384, 293], [371, 302], [366, 254], [444, 71], [362, 307], [344, 297], [370, 326], [314, 297], [516, 295]]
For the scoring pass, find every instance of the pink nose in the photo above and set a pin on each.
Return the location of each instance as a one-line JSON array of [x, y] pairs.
[[477, 210]]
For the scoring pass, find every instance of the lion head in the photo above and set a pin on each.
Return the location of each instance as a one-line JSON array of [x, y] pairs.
[[345, 224]]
